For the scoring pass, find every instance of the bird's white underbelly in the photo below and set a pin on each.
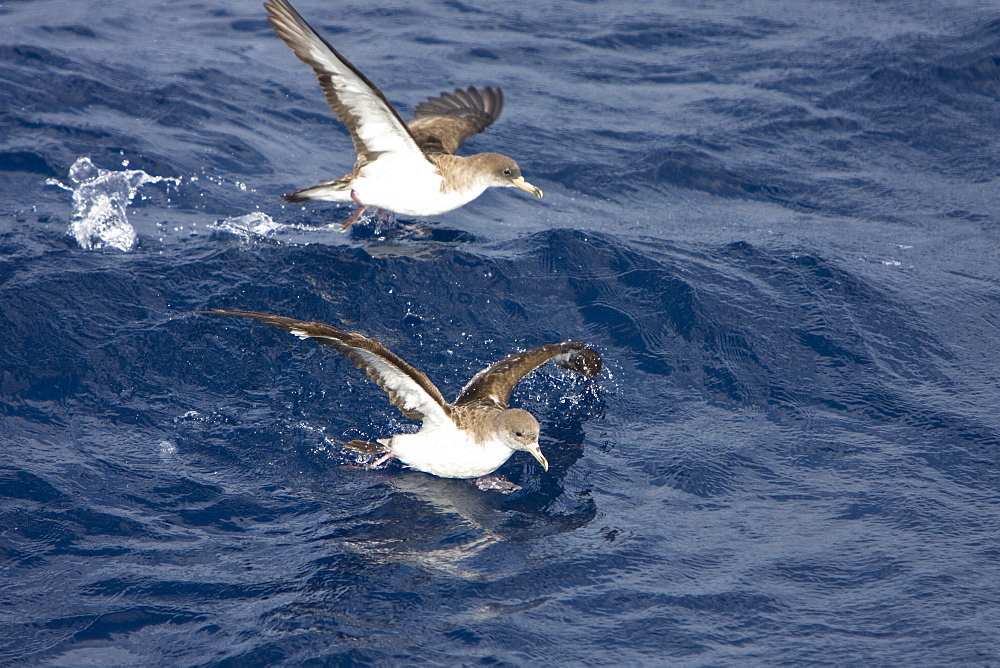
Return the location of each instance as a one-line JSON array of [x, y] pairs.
[[407, 187], [449, 453]]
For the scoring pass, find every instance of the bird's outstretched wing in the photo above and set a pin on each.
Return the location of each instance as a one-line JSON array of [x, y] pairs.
[[409, 390], [492, 386], [374, 124], [442, 123]]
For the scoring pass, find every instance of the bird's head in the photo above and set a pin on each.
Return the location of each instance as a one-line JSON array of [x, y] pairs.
[[504, 172], [519, 431]]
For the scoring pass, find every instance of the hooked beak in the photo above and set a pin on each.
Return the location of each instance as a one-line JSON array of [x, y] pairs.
[[536, 452], [519, 182]]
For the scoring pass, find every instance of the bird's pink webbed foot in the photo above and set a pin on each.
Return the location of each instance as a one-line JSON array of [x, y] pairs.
[[356, 216], [381, 460]]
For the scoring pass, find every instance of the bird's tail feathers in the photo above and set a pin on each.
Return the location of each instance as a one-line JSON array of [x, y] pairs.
[[367, 447], [338, 190]]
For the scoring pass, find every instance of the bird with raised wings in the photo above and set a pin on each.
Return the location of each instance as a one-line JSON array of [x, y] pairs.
[[470, 438], [410, 169]]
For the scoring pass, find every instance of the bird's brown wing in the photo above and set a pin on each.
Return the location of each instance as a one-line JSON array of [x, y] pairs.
[[493, 386], [409, 390], [442, 123], [375, 125]]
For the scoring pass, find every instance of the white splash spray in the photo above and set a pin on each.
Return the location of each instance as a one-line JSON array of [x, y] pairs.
[[255, 224], [100, 198]]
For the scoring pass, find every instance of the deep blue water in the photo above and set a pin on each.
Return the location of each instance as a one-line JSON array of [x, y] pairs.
[[776, 221]]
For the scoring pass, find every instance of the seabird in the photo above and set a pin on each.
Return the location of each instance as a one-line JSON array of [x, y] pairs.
[[469, 438], [410, 169]]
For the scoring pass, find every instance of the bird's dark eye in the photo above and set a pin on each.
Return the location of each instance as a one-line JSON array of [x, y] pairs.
[[518, 434], [507, 172]]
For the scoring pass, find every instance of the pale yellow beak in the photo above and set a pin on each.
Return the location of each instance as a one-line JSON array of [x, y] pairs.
[[519, 182], [536, 451]]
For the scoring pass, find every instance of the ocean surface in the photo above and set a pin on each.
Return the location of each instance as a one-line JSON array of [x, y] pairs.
[[777, 222]]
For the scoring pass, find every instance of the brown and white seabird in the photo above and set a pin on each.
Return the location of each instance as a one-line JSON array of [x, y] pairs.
[[469, 438], [410, 169]]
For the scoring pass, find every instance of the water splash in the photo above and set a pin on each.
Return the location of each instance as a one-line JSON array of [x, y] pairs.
[[100, 198], [255, 224]]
